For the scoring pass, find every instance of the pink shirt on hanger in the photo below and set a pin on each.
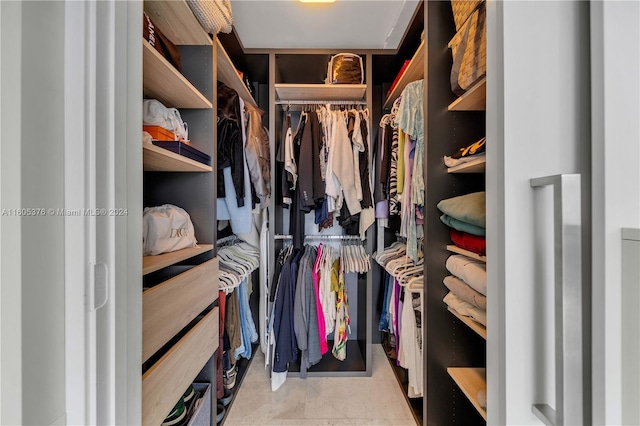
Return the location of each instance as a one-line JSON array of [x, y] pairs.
[[322, 330]]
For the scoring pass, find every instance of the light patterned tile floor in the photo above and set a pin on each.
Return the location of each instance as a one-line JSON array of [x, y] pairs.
[[375, 400]]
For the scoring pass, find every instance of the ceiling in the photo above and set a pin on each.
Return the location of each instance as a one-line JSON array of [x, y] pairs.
[[345, 24]]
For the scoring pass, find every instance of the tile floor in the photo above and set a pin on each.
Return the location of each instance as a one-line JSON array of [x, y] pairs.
[[375, 400]]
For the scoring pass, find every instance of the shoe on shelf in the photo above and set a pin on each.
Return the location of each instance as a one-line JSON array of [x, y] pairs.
[[226, 399], [177, 415], [189, 395], [221, 412], [229, 377], [191, 398]]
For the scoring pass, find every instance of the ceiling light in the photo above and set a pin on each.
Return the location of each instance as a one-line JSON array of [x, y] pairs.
[[317, 1]]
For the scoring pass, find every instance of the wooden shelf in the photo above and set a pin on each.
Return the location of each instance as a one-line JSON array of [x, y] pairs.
[[167, 379], [474, 99], [157, 159], [475, 326], [471, 381], [154, 263], [170, 306], [176, 20], [476, 166], [321, 92], [455, 249], [415, 71], [163, 82], [228, 74]]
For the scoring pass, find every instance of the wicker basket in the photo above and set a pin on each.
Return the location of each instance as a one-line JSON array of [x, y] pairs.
[[462, 9], [469, 49], [214, 16]]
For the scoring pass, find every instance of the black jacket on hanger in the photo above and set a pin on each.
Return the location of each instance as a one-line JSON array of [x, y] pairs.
[[309, 174], [230, 144], [364, 167]]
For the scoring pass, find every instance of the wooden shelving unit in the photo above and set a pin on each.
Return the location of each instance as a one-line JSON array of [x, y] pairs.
[[154, 263], [163, 82], [167, 379], [455, 249], [228, 74], [471, 381], [449, 343], [170, 306], [415, 71], [320, 92], [477, 327], [474, 99], [157, 159], [475, 166], [177, 22]]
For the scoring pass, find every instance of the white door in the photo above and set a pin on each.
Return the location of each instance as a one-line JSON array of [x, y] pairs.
[[538, 126], [70, 305], [103, 179]]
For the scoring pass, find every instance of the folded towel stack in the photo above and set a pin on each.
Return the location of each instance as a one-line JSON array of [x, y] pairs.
[[468, 283]]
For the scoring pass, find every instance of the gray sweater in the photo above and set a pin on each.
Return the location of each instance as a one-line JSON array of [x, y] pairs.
[[305, 317]]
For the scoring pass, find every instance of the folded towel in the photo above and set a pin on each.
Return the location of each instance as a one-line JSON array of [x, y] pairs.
[[473, 272], [462, 226], [473, 243], [465, 292], [469, 208], [465, 309]]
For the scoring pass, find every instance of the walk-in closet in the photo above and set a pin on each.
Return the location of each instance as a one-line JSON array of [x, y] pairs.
[[318, 203], [347, 211]]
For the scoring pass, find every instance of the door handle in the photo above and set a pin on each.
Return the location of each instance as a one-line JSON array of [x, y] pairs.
[[100, 286], [568, 301]]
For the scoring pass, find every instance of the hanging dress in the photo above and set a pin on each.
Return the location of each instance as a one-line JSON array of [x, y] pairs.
[[342, 319]]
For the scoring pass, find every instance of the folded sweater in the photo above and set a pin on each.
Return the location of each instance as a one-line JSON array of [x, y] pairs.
[[465, 292], [472, 272], [463, 308]]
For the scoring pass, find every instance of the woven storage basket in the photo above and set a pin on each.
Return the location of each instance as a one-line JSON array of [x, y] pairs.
[[215, 16], [462, 9], [469, 49]]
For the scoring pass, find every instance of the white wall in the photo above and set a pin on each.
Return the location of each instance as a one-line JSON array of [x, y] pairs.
[[42, 185], [10, 226], [615, 38], [32, 113]]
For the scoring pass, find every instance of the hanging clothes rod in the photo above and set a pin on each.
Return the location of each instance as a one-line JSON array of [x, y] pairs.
[[319, 237], [333, 102]]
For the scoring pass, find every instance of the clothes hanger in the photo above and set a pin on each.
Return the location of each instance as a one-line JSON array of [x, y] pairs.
[[415, 271], [392, 252], [357, 264], [343, 258], [385, 120], [346, 257], [316, 265], [349, 257], [416, 284], [357, 260], [354, 259], [366, 259]]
